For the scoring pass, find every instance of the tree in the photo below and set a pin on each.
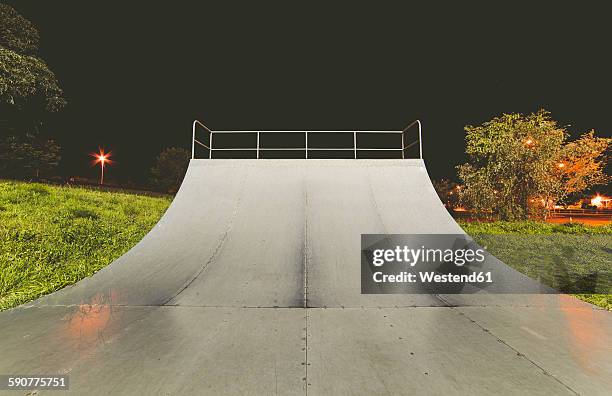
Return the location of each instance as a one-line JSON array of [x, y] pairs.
[[29, 91], [27, 156], [169, 169], [522, 164], [448, 192], [582, 163], [27, 85], [16, 32]]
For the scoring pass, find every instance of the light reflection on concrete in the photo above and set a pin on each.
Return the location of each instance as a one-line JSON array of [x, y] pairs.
[[89, 326], [587, 340]]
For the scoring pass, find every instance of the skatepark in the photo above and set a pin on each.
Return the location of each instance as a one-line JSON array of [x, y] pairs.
[[250, 284]]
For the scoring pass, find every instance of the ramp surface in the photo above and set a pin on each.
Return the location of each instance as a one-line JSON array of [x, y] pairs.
[[250, 284]]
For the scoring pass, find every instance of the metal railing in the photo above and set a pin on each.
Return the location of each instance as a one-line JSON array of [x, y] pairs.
[[355, 149], [588, 212]]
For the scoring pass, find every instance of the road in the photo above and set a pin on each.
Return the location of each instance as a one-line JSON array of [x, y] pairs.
[[250, 284]]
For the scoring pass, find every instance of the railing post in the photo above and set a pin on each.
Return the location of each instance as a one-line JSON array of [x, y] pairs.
[[355, 144], [306, 144], [193, 129], [210, 150], [420, 140], [257, 144]]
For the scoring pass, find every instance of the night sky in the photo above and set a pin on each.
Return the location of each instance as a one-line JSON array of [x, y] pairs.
[[137, 73]]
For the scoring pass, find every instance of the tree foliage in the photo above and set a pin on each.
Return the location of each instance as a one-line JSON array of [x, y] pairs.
[[28, 92], [17, 33], [27, 84], [522, 164], [169, 169], [448, 192], [26, 156], [583, 162]]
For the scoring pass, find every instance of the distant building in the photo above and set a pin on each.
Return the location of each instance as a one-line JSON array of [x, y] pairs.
[[601, 202], [597, 201]]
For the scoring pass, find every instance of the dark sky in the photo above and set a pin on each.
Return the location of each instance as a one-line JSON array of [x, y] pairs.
[[137, 73]]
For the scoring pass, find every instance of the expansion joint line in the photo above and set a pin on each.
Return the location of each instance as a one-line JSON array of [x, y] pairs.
[[518, 353], [305, 275], [219, 245], [306, 354], [305, 250], [382, 222], [375, 202]]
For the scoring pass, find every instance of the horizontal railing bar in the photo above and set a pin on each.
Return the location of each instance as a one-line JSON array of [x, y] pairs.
[[307, 131], [200, 143], [255, 149], [379, 149], [304, 149]]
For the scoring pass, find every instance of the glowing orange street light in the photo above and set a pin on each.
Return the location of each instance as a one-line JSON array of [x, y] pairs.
[[102, 158], [597, 200], [529, 142], [561, 165]]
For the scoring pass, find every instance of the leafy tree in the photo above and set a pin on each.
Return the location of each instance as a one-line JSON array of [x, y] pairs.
[[27, 156], [582, 163], [522, 164], [448, 192], [169, 169], [17, 33], [29, 91], [27, 85]]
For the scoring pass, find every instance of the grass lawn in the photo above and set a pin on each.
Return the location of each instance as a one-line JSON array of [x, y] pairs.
[[573, 258], [52, 236]]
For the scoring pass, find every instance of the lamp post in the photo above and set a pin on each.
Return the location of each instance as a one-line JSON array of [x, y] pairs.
[[102, 158]]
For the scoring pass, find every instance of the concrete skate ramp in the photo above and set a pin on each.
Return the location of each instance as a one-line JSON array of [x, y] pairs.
[[275, 233], [250, 284]]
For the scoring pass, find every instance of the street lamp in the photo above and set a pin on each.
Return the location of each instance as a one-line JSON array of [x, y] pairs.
[[597, 200], [102, 158]]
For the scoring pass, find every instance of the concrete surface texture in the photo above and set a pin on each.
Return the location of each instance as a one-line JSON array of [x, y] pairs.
[[250, 284]]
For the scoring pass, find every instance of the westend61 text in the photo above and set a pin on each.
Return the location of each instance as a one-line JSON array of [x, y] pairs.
[[432, 277]]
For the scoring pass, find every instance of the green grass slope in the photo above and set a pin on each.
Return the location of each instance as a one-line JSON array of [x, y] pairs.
[[53, 236], [569, 257]]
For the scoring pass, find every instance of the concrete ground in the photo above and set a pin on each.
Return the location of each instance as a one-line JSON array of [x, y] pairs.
[[250, 284]]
